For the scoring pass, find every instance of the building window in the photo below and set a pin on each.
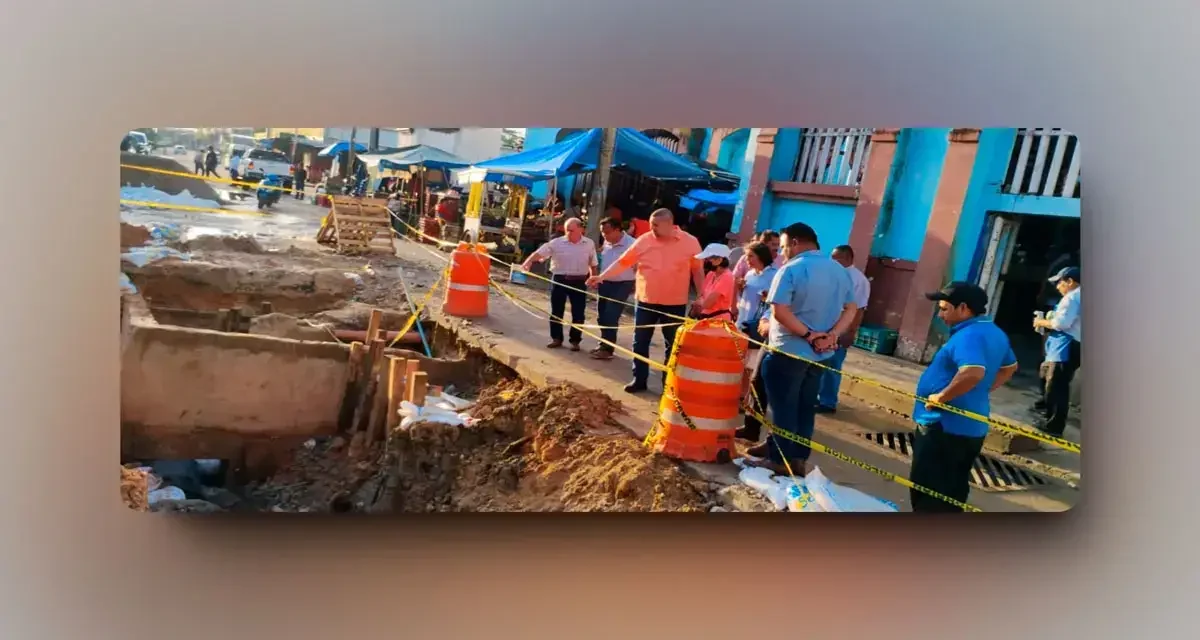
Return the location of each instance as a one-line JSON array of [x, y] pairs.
[[833, 156], [1044, 162]]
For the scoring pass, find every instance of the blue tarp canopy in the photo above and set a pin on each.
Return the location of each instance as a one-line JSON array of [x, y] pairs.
[[697, 198], [422, 155], [340, 147], [579, 153]]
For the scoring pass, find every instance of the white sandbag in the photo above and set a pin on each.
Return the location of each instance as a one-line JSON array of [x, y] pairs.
[[459, 404], [761, 480], [799, 498], [838, 499], [441, 418], [165, 493], [209, 467]]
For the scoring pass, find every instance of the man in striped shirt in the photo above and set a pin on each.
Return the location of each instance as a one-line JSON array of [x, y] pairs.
[[572, 260]]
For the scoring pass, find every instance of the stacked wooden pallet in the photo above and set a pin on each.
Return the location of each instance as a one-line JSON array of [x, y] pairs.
[[358, 225]]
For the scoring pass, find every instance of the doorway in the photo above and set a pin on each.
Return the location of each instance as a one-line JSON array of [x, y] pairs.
[[1019, 254]]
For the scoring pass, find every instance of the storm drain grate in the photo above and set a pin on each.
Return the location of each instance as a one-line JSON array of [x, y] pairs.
[[988, 473]]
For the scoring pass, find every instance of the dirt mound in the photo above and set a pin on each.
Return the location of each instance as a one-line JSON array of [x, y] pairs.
[[204, 286], [133, 235], [236, 244], [357, 315], [281, 325], [321, 478], [536, 450], [173, 185], [133, 489]]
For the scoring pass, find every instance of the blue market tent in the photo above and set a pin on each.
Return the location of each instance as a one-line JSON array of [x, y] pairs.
[[579, 153], [340, 147], [697, 198], [422, 155]]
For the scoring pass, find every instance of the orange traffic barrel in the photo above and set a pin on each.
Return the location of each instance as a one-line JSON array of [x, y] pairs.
[[467, 292], [700, 407]]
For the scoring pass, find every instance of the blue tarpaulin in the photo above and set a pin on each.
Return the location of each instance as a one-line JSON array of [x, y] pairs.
[[580, 152], [340, 147], [697, 198], [422, 155]]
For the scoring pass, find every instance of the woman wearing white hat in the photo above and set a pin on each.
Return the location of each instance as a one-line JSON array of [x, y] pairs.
[[716, 299]]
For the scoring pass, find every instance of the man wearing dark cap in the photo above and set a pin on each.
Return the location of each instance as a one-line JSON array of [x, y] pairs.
[[1063, 351], [976, 359]]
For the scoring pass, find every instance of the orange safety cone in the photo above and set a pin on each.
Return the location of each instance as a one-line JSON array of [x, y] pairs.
[[700, 408], [467, 291]]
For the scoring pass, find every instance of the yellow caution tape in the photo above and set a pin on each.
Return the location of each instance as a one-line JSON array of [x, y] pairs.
[[184, 174]]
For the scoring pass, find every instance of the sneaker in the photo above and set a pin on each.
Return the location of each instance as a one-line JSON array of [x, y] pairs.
[[574, 346], [635, 387], [602, 354], [554, 344]]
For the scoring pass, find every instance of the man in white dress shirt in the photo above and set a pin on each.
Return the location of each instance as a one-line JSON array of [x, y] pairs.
[[831, 381]]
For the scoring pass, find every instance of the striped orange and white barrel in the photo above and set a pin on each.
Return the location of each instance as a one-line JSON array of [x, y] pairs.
[[467, 291], [700, 407]]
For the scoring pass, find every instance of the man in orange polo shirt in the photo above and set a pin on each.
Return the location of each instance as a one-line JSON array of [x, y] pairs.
[[666, 263]]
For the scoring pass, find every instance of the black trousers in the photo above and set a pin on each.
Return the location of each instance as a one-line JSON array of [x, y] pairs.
[[1056, 389], [942, 462], [559, 295]]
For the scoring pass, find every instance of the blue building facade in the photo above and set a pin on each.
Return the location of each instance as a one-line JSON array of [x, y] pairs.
[[920, 206]]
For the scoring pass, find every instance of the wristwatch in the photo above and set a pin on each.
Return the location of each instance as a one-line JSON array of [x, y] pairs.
[[806, 335]]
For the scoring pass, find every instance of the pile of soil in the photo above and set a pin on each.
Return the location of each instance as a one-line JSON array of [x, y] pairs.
[[535, 449], [133, 235], [133, 489], [236, 244], [205, 286], [321, 478], [357, 315], [173, 185], [281, 325]]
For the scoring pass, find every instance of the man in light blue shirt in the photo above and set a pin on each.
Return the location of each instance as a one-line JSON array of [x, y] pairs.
[[1063, 351], [812, 305]]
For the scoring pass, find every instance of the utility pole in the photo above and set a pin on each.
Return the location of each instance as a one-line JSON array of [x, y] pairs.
[[350, 153], [596, 207]]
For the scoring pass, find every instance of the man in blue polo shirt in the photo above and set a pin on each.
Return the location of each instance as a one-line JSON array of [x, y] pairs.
[[975, 360], [812, 305]]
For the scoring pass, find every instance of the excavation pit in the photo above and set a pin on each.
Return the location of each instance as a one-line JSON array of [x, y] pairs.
[[268, 409]]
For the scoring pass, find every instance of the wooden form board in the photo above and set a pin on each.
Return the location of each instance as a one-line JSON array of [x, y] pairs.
[[359, 225]]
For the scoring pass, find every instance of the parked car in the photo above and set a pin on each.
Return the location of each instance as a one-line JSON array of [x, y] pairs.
[[180, 150], [256, 164]]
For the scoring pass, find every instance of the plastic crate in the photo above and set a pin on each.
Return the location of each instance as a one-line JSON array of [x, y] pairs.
[[876, 340]]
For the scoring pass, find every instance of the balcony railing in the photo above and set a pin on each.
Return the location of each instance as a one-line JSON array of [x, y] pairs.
[[1044, 162], [833, 156]]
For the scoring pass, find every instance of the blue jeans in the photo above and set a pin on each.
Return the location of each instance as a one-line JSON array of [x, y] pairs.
[[649, 314], [609, 312], [792, 388], [831, 381]]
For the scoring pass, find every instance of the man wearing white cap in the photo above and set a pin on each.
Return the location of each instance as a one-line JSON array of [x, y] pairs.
[[716, 296]]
